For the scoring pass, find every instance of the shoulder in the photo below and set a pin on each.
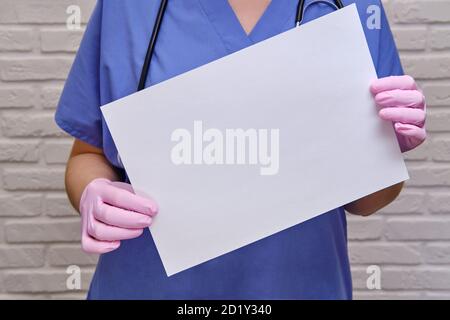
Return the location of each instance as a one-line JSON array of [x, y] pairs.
[[373, 17], [379, 36], [370, 11], [121, 18], [121, 7], [119, 10]]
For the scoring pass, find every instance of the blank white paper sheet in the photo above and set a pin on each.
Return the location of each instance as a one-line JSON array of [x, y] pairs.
[[258, 141]]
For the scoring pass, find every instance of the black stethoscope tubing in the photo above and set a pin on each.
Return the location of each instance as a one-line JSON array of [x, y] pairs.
[[162, 9], [301, 8], [151, 44]]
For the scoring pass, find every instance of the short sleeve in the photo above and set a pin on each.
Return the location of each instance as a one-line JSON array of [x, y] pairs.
[[388, 62], [78, 112]]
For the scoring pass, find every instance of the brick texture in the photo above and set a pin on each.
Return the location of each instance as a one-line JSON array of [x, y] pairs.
[[39, 231]]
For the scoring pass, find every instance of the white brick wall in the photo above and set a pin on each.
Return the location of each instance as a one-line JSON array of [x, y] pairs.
[[39, 232]]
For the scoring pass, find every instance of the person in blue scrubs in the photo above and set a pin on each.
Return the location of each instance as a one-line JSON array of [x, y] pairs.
[[307, 261]]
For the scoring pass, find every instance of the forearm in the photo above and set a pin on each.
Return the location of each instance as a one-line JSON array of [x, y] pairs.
[[81, 170], [375, 201]]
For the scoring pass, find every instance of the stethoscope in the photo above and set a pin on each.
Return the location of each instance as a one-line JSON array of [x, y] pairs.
[[301, 8]]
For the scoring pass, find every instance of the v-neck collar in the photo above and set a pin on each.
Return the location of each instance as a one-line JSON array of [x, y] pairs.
[[227, 25]]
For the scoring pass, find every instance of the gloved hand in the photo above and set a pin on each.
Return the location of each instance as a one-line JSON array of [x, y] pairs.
[[110, 212], [404, 104]]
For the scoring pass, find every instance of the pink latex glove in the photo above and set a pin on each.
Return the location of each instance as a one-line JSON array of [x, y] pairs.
[[403, 103], [111, 212]]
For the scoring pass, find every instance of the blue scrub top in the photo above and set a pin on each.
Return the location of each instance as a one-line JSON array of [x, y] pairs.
[[307, 261]]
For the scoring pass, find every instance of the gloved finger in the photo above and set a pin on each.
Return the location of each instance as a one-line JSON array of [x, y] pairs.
[[411, 131], [129, 187], [103, 232], [122, 198], [401, 98], [91, 245], [119, 217], [403, 115], [392, 83], [123, 185]]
